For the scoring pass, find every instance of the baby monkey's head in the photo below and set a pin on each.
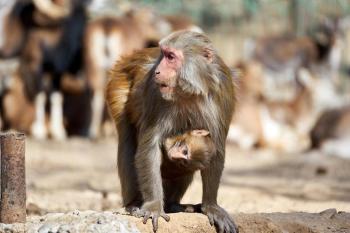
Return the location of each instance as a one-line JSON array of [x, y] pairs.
[[193, 149]]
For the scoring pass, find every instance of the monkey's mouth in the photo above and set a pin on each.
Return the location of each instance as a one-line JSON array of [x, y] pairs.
[[164, 88]]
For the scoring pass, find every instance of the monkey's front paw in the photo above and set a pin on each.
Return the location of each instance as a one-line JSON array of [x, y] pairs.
[[220, 219], [154, 211], [154, 215]]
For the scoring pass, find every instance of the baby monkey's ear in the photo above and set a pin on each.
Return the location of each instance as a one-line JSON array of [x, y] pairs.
[[199, 132], [169, 142]]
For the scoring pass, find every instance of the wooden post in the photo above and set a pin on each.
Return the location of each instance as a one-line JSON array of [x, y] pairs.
[[13, 186]]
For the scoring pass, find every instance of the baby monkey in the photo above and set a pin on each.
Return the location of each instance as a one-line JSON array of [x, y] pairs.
[[183, 155], [189, 152]]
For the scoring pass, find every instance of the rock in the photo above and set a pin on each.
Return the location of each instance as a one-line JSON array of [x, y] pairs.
[[329, 213], [108, 222], [49, 228], [33, 209]]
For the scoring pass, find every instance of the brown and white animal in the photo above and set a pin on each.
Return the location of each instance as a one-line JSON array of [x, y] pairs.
[[159, 93], [320, 46], [47, 35], [280, 121], [282, 57], [264, 122]]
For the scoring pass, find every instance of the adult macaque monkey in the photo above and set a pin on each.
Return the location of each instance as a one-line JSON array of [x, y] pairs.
[[159, 93]]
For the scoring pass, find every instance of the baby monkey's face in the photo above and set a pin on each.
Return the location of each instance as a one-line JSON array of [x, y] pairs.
[[179, 150], [192, 149]]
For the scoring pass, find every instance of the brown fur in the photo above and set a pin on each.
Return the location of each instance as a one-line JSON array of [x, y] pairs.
[[199, 149], [17, 112], [203, 99], [302, 51], [279, 52], [23, 18], [179, 22], [332, 124]]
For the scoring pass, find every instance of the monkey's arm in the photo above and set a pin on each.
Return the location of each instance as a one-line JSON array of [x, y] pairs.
[[211, 180], [148, 160], [117, 91]]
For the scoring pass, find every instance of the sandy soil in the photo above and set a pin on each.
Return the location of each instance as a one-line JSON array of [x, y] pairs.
[[79, 174], [111, 222]]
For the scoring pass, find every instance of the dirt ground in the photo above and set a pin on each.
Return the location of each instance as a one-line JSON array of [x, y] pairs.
[[80, 174]]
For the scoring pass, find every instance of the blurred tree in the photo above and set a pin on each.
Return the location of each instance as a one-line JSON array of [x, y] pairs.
[[250, 8], [296, 16], [210, 16]]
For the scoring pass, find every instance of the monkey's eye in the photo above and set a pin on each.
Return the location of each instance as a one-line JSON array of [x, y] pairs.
[[170, 56]]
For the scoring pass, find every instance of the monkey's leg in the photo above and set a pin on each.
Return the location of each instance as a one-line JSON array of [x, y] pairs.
[[211, 179], [148, 160], [131, 195], [174, 190]]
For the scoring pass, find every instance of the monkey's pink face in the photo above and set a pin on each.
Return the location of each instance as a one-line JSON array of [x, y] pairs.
[[167, 71]]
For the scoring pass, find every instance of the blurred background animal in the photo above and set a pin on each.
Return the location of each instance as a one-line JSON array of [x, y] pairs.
[[47, 37], [64, 58], [59, 52]]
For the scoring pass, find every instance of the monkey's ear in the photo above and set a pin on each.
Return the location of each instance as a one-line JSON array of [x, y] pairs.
[[208, 53], [199, 132], [168, 143]]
